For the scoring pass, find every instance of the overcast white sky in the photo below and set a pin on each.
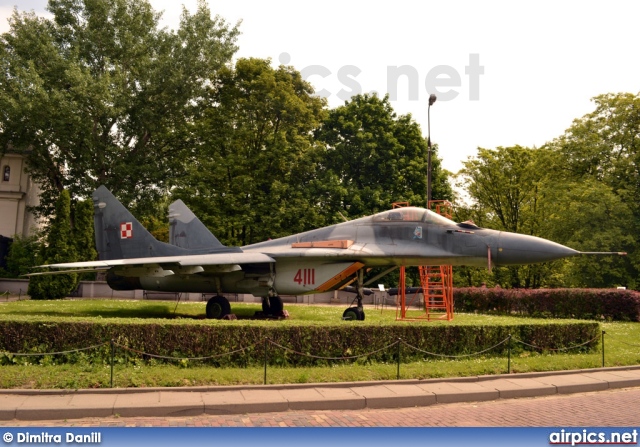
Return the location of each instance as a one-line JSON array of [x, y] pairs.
[[505, 72]]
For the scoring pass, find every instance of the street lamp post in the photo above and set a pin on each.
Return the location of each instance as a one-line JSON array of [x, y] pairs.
[[432, 99]]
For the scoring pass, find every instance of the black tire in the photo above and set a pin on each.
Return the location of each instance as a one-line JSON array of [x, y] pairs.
[[275, 305], [353, 313], [218, 307], [265, 306]]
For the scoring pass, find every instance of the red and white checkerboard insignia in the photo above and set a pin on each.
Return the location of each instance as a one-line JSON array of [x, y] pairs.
[[126, 230]]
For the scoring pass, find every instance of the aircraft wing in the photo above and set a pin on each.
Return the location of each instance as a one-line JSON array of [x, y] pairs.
[[215, 259]]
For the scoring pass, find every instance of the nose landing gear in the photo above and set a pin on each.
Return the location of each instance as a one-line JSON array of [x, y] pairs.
[[356, 312], [353, 313]]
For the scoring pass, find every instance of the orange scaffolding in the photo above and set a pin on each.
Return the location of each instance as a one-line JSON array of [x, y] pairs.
[[436, 281]]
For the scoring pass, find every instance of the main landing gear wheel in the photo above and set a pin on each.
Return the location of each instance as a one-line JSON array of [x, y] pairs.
[[353, 313], [272, 306], [218, 307]]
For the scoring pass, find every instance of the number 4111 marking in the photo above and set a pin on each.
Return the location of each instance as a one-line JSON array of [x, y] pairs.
[[305, 276]]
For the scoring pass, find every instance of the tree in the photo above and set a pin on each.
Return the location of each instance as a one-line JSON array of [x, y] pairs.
[[589, 216], [100, 95], [21, 258], [505, 187], [504, 183], [377, 158], [83, 235], [600, 155], [605, 144], [528, 191], [59, 248], [253, 157]]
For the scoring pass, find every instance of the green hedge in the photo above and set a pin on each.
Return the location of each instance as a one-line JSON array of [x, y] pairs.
[[598, 304], [321, 341]]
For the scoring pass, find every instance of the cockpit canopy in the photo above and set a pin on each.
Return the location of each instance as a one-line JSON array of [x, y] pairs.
[[412, 214]]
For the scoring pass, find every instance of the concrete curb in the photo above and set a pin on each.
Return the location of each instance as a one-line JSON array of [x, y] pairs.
[[531, 375], [32, 405]]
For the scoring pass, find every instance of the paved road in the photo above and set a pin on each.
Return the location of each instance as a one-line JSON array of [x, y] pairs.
[[617, 407]]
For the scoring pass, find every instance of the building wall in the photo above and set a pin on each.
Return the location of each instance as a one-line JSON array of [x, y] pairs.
[[17, 193]]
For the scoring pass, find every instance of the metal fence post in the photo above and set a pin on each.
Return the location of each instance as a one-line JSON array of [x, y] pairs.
[[509, 355], [112, 359], [603, 332], [398, 352], [266, 347]]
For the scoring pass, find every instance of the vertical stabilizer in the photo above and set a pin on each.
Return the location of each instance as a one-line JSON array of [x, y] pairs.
[[187, 231], [119, 235]]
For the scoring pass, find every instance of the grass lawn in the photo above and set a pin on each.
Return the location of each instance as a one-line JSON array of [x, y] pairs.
[[190, 312], [622, 348]]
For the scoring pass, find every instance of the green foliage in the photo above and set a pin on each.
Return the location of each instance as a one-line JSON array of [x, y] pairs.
[[506, 185], [83, 235], [551, 193], [100, 94], [254, 159], [155, 218], [599, 304], [503, 183], [604, 143], [311, 331], [597, 162], [244, 345], [580, 190], [22, 256], [89, 369], [259, 171], [59, 248], [589, 216], [375, 158]]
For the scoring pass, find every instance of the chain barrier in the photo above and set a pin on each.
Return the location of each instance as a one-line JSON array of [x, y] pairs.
[[352, 357], [457, 356], [35, 354], [557, 349], [623, 342], [267, 342], [302, 354], [164, 357]]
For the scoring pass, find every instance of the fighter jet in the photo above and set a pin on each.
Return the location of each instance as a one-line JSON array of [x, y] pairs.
[[315, 261]]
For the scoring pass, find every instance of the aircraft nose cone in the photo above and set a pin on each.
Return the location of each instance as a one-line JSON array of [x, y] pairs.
[[516, 248]]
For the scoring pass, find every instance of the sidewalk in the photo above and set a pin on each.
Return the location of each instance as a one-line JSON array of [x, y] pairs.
[[36, 405]]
